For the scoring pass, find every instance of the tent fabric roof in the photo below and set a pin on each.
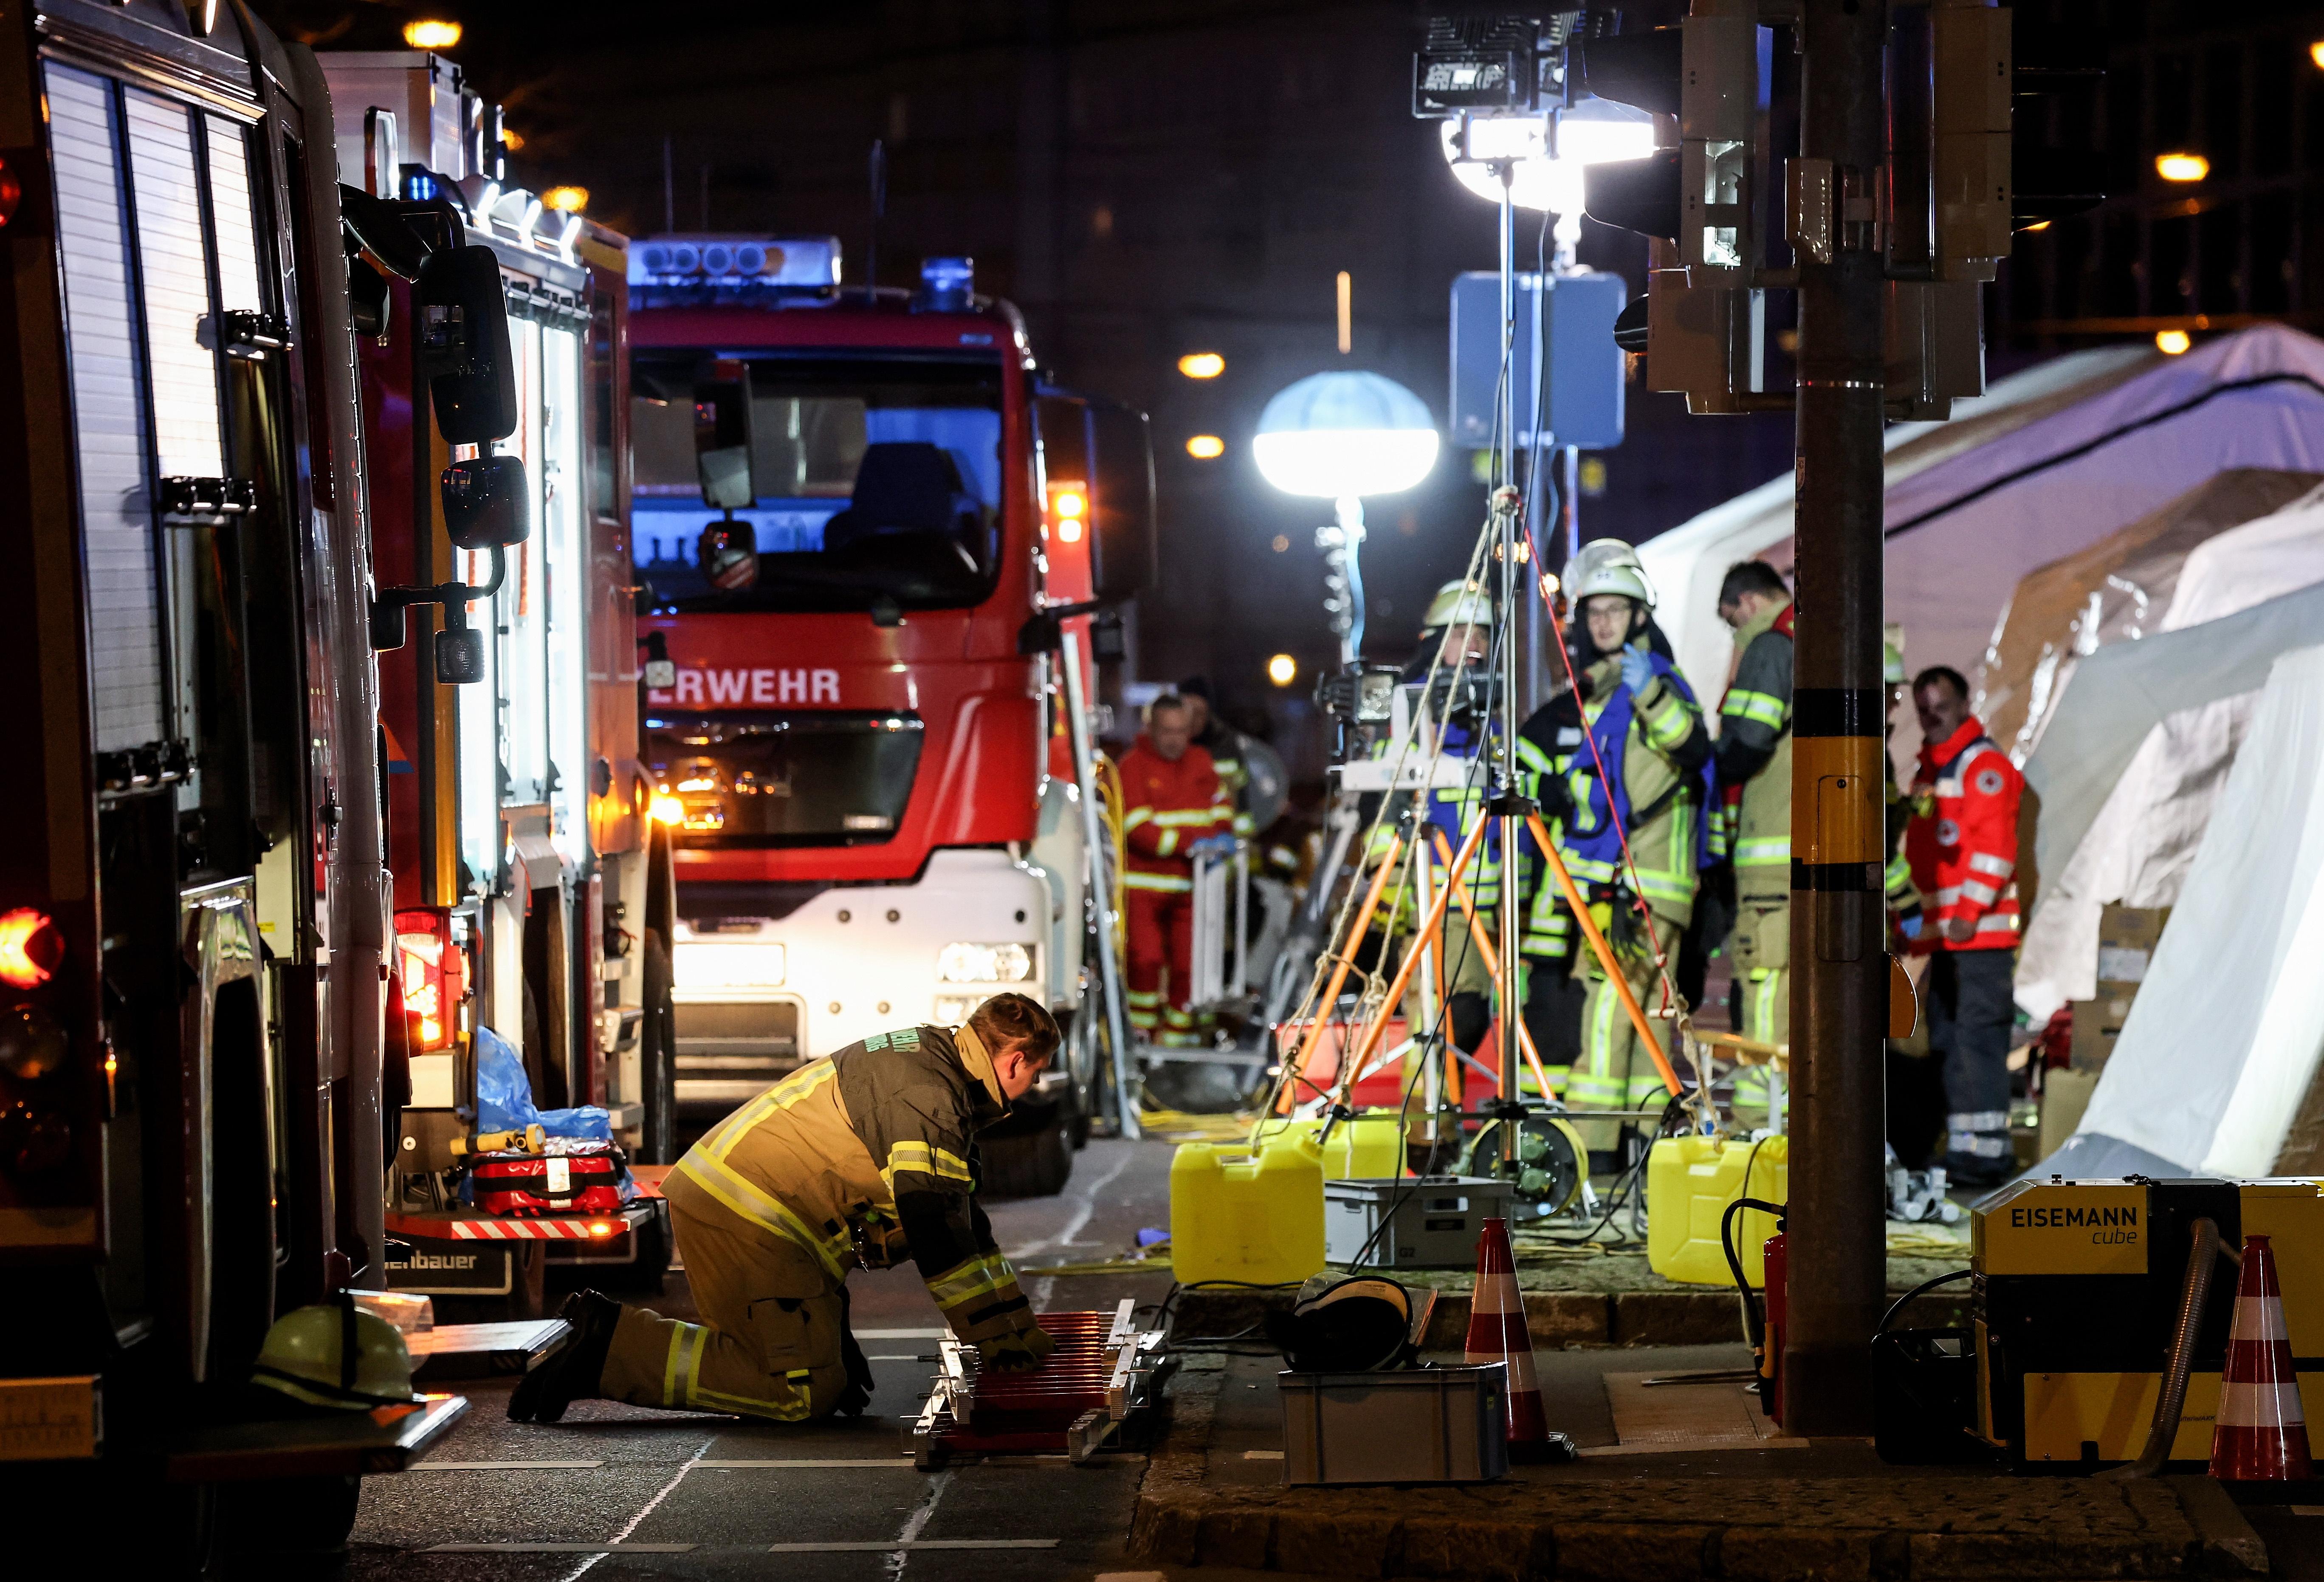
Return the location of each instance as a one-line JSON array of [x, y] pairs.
[[2119, 588], [1973, 507], [2221, 1046], [1686, 563]]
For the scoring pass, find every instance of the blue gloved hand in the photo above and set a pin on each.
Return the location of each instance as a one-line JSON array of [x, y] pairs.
[[1217, 845], [1909, 925], [1637, 669]]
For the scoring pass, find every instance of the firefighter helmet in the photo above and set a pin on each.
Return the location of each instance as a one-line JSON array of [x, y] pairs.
[[336, 1355], [1607, 566], [1459, 604]]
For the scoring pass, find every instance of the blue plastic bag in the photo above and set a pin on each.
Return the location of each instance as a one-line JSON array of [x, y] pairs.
[[505, 1097]]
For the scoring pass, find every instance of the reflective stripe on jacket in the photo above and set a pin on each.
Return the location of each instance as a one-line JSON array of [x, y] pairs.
[[1963, 841], [1168, 807]]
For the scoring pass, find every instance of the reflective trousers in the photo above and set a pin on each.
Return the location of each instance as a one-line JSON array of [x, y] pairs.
[[1161, 924], [1760, 950], [1970, 1010], [1616, 1072], [773, 1342]]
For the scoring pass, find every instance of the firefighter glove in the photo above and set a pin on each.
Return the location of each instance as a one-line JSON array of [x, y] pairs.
[[1638, 670], [1020, 1351]]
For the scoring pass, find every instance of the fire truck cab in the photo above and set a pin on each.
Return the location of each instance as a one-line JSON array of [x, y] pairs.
[[855, 512]]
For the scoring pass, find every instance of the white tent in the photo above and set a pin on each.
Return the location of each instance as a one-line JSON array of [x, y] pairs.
[[2131, 766], [2213, 1071], [1686, 563], [2057, 458]]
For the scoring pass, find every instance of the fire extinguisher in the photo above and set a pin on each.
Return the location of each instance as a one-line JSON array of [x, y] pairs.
[[1763, 1319]]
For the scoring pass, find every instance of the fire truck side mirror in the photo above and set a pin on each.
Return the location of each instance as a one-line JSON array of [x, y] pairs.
[[722, 443], [487, 503], [464, 345]]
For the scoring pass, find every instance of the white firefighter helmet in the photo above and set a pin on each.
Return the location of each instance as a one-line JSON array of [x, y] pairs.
[[1607, 566], [1459, 604]]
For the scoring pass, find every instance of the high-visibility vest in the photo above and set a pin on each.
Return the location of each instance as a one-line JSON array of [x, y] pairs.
[[1963, 841]]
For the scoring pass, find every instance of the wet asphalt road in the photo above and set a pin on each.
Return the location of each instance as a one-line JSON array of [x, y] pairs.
[[668, 1494]]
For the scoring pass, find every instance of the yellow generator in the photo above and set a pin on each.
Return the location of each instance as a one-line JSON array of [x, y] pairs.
[[2080, 1289]]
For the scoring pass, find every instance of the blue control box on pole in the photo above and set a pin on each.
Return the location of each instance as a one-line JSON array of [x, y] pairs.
[[1566, 373]]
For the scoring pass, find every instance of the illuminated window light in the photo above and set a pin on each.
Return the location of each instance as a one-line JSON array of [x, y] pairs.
[[432, 34], [1206, 448], [566, 199], [1283, 669], [1201, 365], [2181, 167], [2171, 342]]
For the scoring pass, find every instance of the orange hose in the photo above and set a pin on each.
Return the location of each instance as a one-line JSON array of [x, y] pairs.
[[1604, 953]]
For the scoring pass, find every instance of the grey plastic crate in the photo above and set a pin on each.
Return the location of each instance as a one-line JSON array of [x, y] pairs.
[[1424, 1425], [1434, 1220]]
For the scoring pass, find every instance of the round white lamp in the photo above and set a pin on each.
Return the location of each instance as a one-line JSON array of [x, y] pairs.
[[1339, 437]]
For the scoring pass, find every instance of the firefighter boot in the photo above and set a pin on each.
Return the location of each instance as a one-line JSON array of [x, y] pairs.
[[571, 1372]]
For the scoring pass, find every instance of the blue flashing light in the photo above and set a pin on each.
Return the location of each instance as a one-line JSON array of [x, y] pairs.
[[731, 262], [945, 285], [420, 184]]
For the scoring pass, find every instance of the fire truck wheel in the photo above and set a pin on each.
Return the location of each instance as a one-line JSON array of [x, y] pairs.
[[658, 1058], [1033, 1162]]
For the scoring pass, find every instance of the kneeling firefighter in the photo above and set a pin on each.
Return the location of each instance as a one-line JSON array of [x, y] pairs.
[[863, 1158], [1642, 773]]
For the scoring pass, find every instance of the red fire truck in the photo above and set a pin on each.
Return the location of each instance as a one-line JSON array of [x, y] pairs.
[[193, 911], [869, 728], [516, 800]]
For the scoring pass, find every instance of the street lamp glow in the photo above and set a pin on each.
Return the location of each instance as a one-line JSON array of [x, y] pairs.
[[1205, 447], [566, 199], [2171, 342], [2181, 167], [1201, 365], [1345, 435], [1283, 669], [432, 34]]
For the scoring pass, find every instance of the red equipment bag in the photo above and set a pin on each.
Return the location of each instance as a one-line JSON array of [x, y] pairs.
[[573, 1176]]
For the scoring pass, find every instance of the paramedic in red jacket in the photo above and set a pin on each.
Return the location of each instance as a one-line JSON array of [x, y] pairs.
[[1963, 843], [1172, 801]]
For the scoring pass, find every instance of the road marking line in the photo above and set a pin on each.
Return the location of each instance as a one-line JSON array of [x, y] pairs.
[[595, 1551], [897, 1546], [620, 1539], [902, 1334], [902, 1463], [505, 1467]]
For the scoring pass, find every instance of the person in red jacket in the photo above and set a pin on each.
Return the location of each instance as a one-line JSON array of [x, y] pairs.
[[1962, 845], [1173, 801]]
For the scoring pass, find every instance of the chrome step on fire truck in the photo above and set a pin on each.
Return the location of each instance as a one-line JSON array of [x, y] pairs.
[[872, 668], [194, 954]]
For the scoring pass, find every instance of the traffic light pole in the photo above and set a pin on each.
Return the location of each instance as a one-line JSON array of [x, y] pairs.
[[1836, 1246]]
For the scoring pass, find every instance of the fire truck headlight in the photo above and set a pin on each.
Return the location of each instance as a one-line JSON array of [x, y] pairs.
[[964, 963]]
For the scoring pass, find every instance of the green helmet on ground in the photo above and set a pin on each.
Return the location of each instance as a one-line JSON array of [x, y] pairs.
[[334, 1355]]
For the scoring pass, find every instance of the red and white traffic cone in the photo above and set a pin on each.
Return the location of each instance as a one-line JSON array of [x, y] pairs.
[[1498, 1333], [2261, 1435]]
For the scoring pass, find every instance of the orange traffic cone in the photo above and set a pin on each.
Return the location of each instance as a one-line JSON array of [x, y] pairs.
[[1498, 1333], [2261, 1435]]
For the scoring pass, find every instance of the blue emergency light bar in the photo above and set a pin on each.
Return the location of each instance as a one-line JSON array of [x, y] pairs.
[[730, 263], [947, 285]]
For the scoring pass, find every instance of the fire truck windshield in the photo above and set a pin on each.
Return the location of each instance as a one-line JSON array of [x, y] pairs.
[[763, 780], [877, 477]]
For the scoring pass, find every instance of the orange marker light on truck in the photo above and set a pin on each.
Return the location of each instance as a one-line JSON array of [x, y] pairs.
[[29, 949], [1069, 510], [433, 971], [666, 809]]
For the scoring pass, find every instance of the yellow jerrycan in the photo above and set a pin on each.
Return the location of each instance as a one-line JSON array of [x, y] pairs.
[[1256, 1220], [1690, 1182]]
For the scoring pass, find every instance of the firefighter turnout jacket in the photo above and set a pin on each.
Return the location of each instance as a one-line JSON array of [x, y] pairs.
[[1755, 759], [1963, 841], [1166, 807]]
